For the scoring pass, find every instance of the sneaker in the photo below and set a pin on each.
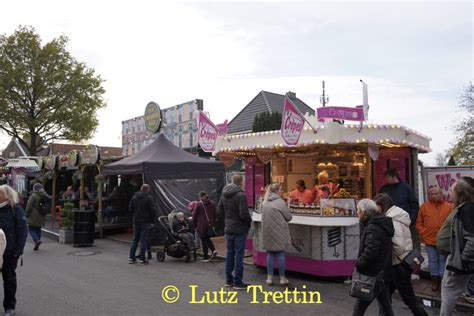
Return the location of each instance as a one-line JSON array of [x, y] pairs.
[[142, 262], [150, 255], [213, 255], [269, 281], [37, 244], [229, 284], [284, 281], [241, 286], [132, 261], [10, 312]]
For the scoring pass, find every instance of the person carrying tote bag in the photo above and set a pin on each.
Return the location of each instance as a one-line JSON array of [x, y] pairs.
[[375, 248]]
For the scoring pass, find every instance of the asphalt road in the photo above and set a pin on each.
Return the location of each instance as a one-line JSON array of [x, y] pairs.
[[63, 280]]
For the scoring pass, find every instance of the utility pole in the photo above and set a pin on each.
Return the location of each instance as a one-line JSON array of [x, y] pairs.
[[324, 98]]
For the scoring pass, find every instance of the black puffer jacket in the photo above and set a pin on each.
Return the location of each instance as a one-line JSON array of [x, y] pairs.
[[375, 245], [142, 208], [233, 211], [13, 223]]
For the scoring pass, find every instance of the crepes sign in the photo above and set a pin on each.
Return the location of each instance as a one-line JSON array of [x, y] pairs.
[[292, 123], [207, 134]]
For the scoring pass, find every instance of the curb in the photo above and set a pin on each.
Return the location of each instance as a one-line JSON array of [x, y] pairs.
[[50, 234]]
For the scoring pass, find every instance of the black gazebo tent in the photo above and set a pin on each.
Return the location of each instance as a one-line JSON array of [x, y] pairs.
[[175, 175]]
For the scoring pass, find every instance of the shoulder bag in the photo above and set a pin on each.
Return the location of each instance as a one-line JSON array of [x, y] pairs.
[[413, 259], [211, 231], [365, 287]]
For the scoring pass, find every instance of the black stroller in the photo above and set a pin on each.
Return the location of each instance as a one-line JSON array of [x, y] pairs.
[[170, 243]]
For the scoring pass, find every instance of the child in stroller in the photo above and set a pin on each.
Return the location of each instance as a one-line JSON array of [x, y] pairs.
[[179, 241], [182, 229]]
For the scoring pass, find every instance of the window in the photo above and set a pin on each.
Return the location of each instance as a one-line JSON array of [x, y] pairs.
[[180, 114], [191, 111], [191, 138], [180, 140], [171, 117]]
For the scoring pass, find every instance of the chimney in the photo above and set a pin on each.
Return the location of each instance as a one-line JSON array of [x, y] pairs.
[[291, 95]]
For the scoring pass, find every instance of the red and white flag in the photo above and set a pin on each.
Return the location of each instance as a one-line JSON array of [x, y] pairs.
[[292, 123], [207, 133]]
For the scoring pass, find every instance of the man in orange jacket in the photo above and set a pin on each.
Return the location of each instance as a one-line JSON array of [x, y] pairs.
[[431, 216]]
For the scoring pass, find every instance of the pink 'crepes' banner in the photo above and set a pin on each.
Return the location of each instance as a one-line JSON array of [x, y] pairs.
[[207, 134], [292, 123]]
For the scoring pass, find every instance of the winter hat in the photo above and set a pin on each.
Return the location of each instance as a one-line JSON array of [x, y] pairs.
[[192, 205], [37, 187]]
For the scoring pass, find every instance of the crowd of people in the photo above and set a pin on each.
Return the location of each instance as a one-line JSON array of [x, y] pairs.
[[446, 229], [390, 224]]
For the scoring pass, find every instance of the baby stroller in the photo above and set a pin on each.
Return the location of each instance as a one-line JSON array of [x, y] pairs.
[[173, 246]]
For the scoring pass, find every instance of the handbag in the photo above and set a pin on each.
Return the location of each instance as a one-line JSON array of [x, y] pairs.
[[413, 259], [365, 287], [211, 231]]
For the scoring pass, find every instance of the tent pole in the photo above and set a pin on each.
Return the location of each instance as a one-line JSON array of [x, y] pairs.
[[81, 192], [53, 204], [99, 204]]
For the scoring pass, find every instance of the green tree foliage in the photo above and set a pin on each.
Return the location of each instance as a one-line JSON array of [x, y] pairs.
[[451, 161], [462, 151], [46, 94], [266, 121]]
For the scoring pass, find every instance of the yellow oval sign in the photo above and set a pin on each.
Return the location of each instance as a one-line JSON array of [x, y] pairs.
[[152, 117]]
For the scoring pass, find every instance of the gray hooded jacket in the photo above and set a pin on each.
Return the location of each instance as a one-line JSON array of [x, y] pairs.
[[461, 259]]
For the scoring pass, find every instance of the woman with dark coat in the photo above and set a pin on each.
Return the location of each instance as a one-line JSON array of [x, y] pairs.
[[374, 253], [13, 223], [204, 215]]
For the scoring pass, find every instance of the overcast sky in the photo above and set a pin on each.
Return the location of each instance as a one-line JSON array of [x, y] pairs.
[[415, 56]]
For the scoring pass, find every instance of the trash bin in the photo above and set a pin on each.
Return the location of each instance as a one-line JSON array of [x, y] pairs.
[[84, 228]]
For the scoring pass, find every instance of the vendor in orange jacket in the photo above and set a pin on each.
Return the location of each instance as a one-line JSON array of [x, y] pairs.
[[431, 216], [301, 193]]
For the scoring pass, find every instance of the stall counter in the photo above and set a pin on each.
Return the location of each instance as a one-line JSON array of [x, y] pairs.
[[320, 245], [316, 220]]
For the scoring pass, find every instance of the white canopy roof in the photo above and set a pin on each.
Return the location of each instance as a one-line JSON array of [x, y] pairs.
[[23, 164]]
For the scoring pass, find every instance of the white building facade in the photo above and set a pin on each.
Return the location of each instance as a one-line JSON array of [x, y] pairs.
[[179, 126]]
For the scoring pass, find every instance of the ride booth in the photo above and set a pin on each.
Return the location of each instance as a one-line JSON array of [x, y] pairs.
[[350, 160]]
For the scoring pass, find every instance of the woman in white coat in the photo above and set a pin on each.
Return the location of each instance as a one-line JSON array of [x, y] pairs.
[[402, 244]]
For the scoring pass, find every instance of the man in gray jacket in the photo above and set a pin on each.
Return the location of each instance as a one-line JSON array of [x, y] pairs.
[[234, 213]]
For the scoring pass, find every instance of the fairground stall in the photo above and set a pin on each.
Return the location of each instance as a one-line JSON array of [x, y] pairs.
[[340, 164]]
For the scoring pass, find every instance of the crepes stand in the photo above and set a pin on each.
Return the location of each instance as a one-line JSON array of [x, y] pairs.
[[324, 233]]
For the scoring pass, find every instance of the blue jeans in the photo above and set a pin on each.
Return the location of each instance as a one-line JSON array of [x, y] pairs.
[[110, 211], [470, 285], [235, 258], [280, 255], [35, 233], [140, 234], [436, 261]]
